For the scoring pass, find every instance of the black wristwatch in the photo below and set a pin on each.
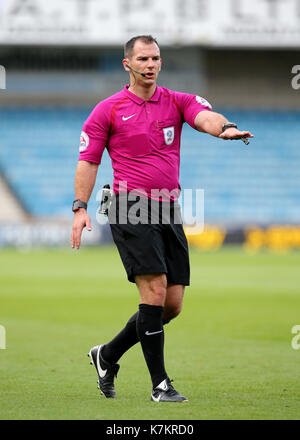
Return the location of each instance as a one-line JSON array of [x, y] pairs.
[[233, 125], [228, 125], [78, 204]]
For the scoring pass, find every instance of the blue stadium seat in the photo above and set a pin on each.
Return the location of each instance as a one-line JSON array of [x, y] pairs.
[[259, 183]]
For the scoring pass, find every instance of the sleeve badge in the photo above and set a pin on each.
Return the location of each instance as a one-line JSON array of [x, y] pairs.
[[203, 101], [84, 141]]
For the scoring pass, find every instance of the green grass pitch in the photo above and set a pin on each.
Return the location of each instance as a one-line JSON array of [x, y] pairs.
[[229, 351]]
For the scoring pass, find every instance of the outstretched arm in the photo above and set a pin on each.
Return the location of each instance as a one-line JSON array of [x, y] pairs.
[[212, 123]]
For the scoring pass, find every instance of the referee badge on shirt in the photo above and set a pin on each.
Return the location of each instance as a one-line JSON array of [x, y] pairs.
[[203, 101], [84, 141], [169, 133]]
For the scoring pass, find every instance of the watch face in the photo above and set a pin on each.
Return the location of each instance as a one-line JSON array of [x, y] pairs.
[[75, 205]]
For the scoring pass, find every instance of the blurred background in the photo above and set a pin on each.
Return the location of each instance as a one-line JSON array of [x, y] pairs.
[[61, 58]]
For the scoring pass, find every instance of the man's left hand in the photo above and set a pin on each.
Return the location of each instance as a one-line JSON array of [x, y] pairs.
[[234, 133]]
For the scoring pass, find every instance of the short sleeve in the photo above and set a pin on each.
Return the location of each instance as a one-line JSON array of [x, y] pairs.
[[191, 105], [94, 135]]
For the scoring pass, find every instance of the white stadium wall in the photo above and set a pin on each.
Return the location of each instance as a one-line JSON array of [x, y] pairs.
[[206, 23]]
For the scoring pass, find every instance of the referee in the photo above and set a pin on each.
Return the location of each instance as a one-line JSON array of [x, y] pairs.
[[141, 128]]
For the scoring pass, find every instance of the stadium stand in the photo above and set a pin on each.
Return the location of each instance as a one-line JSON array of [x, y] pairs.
[[242, 185], [38, 154], [11, 209]]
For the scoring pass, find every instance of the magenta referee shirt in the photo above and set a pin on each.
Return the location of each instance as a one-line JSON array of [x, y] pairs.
[[141, 137]]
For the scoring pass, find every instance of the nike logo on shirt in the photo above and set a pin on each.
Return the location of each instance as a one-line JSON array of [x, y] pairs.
[[152, 333], [128, 117]]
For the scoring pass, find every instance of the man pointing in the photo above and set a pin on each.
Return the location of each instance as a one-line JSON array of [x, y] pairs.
[[141, 128]]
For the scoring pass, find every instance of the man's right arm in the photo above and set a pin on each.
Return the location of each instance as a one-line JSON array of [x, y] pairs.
[[85, 178]]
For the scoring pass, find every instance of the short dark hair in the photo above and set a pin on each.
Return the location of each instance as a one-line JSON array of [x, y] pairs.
[[128, 48]]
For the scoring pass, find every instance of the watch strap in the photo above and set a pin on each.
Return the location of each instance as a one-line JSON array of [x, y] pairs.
[[78, 204], [228, 125]]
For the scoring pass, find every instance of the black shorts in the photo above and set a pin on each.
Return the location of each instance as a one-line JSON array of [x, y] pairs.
[[147, 248]]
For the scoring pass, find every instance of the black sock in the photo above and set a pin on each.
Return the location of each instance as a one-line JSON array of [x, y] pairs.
[[127, 337], [150, 331], [124, 340]]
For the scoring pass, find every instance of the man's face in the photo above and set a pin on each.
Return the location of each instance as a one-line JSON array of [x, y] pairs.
[[145, 59]]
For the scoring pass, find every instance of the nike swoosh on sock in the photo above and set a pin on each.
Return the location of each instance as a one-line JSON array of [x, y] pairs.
[[152, 333]]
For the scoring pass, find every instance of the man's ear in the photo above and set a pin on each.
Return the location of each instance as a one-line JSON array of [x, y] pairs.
[[125, 61]]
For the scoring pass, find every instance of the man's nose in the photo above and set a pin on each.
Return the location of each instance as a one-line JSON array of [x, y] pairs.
[[150, 64]]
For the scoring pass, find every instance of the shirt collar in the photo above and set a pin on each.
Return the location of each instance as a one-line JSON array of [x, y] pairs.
[[137, 99]]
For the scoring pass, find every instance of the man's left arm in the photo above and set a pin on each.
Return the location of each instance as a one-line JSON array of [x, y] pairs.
[[212, 123]]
